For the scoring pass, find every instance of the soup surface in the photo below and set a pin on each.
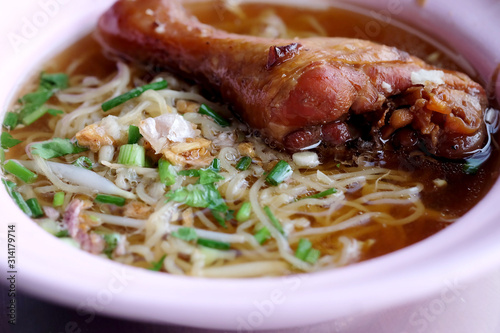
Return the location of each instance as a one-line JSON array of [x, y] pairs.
[[214, 200]]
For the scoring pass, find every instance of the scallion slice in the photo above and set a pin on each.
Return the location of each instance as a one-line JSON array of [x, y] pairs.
[[58, 200], [54, 81], [136, 92], [312, 256], [213, 244], [111, 240], [35, 114], [133, 154], [220, 217], [54, 112], [305, 251], [134, 135], [276, 223], [11, 120], [110, 199], [20, 171], [303, 248], [157, 265], [36, 209], [16, 196], [167, 172], [244, 212], [62, 234], [281, 171], [262, 235], [8, 141], [55, 148], [83, 162], [206, 110], [321, 194], [244, 163], [186, 234], [215, 165]]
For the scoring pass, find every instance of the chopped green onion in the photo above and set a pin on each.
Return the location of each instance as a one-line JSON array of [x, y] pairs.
[[206, 110], [281, 171], [54, 112], [11, 120], [190, 173], [56, 147], [220, 217], [133, 154], [209, 177], [20, 171], [34, 114], [36, 209], [16, 196], [83, 162], [156, 266], [303, 248], [305, 252], [136, 92], [471, 166], [58, 199], [167, 172], [186, 234], [35, 99], [213, 244], [312, 256], [33, 103], [111, 243], [244, 212], [215, 165], [276, 223], [321, 194], [110, 199], [201, 196], [2, 155], [62, 233], [134, 135], [244, 163], [262, 235], [57, 81], [8, 141]]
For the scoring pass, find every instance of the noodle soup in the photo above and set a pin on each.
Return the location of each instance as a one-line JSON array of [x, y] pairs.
[[217, 201]]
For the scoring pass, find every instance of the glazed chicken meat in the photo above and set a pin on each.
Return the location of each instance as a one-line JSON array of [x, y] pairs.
[[307, 93]]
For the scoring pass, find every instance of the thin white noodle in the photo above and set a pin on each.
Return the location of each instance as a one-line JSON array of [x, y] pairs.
[[250, 269], [119, 220], [150, 172], [350, 223], [216, 236], [119, 82], [206, 222], [159, 100]]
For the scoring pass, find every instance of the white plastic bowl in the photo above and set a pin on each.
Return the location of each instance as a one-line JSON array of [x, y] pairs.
[[52, 270]]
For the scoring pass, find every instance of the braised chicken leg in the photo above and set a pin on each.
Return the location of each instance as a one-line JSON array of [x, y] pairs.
[[301, 94]]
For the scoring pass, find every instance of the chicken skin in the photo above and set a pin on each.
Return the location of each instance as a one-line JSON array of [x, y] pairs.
[[307, 93]]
